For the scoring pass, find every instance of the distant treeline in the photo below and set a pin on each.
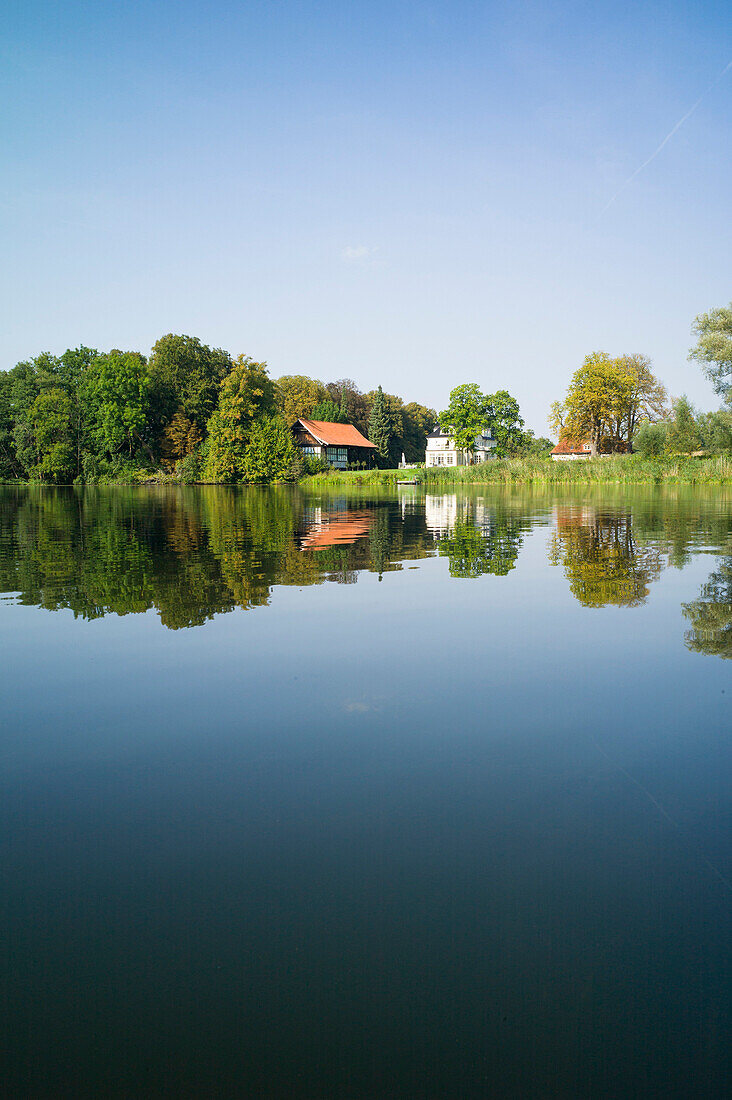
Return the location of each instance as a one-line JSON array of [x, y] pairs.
[[191, 412], [187, 409]]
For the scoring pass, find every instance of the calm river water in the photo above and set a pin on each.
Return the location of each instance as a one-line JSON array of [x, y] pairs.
[[356, 796]]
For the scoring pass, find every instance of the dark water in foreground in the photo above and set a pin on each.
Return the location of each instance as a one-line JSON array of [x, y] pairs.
[[328, 796]]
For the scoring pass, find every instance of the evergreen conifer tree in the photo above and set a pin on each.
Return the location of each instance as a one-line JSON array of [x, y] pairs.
[[380, 428]]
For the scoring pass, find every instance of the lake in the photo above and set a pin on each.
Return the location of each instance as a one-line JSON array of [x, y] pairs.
[[325, 794]]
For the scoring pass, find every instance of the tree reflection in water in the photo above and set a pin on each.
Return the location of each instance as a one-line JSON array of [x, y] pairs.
[[711, 615], [483, 541], [191, 554], [602, 558]]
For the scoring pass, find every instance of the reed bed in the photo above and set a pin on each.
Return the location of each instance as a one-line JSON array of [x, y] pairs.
[[620, 470]]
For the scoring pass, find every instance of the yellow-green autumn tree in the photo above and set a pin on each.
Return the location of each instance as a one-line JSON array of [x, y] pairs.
[[647, 401], [296, 396], [596, 403], [180, 438], [608, 399]]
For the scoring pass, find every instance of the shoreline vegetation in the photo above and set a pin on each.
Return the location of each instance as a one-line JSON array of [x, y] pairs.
[[193, 414], [605, 470]]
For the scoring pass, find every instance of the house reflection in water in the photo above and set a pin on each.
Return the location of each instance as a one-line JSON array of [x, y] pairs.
[[440, 513], [334, 527]]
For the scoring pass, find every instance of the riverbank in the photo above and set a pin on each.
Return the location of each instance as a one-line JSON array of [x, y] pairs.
[[620, 470], [623, 469]]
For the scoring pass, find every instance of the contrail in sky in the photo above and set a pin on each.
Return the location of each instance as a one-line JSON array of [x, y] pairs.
[[668, 137]]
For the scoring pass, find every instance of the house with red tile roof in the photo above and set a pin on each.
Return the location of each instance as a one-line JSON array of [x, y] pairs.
[[566, 450], [338, 444]]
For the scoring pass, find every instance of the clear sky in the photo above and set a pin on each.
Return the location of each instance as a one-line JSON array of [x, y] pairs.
[[411, 194]]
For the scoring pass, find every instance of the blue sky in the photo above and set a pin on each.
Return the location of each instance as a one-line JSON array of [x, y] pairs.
[[411, 194]]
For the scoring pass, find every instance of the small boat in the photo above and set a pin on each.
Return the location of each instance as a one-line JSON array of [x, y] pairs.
[[412, 482]]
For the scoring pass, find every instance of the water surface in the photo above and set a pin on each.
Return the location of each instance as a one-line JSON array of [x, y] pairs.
[[332, 795]]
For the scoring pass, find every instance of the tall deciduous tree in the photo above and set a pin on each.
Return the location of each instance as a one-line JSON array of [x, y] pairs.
[[27, 380], [467, 415], [53, 432], [296, 396], [271, 454], [186, 375], [117, 395], [647, 398], [597, 401], [713, 348], [246, 393], [345, 393], [505, 422]]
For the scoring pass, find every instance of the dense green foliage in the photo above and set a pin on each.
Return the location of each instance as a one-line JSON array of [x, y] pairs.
[[186, 375], [714, 346], [189, 412], [650, 440], [687, 431], [329, 412], [245, 394], [472, 413], [271, 454]]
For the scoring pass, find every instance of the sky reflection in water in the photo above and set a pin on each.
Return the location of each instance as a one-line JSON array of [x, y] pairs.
[[444, 812]]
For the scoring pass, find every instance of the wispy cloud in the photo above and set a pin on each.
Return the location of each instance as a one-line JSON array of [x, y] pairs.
[[358, 253], [684, 118], [357, 707]]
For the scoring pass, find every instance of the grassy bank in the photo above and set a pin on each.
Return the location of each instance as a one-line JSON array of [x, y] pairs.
[[625, 469], [620, 470]]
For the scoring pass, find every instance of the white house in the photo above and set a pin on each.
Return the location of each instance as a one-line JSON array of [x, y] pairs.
[[441, 449]]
